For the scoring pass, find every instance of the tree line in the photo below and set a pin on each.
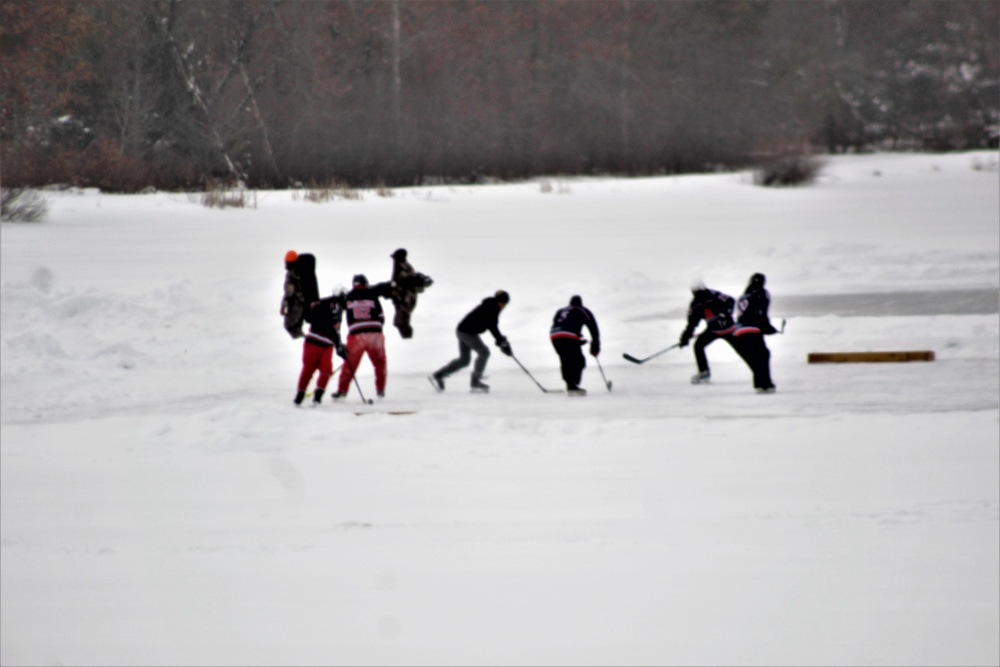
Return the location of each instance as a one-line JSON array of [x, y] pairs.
[[128, 94]]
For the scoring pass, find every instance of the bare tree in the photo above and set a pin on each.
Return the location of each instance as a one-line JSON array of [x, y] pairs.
[[371, 91], [41, 67]]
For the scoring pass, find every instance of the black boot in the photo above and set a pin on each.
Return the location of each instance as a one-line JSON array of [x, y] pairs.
[[318, 396], [299, 397]]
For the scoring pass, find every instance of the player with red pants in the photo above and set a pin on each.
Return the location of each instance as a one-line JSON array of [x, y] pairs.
[[323, 338], [365, 318]]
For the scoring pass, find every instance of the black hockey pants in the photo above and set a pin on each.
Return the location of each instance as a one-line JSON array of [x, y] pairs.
[[750, 347], [571, 360]]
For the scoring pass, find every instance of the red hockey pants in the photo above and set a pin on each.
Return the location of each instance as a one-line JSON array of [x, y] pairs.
[[358, 345], [315, 357]]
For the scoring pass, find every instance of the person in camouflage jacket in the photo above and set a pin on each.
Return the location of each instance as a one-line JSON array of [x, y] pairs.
[[406, 285]]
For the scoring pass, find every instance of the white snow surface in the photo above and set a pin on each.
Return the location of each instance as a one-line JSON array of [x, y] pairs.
[[164, 503]]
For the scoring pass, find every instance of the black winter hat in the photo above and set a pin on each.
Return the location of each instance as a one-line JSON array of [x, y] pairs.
[[360, 279], [502, 296], [575, 300], [400, 253], [757, 279]]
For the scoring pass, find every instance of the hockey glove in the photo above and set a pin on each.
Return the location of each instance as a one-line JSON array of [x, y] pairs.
[[505, 347], [341, 351], [683, 341], [595, 348]]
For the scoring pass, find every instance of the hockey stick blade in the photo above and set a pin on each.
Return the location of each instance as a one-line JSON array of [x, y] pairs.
[[537, 383], [607, 382], [629, 357]]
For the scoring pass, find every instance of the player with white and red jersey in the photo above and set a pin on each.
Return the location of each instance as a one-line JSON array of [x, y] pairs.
[[365, 318]]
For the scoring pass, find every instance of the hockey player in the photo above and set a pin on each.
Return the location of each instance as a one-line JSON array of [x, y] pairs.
[[485, 317], [716, 309], [752, 306], [323, 338], [567, 339], [365, 318], [751, 312]]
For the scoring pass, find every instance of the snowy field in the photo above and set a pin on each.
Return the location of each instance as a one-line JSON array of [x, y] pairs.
[[164, 503]]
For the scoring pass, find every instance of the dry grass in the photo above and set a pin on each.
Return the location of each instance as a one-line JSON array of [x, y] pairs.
[[792, 169], [222, 195], [547, 187], [329, 191]]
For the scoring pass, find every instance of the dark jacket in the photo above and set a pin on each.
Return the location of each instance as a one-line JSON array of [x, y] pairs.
[[568, 324], [406, 280], [364, 310], [300, 291], [751, 309], [715, 308], [484, 317], [324, 317], [300, 277]]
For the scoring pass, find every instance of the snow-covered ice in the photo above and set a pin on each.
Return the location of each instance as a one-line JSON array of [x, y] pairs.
[[163, 502]]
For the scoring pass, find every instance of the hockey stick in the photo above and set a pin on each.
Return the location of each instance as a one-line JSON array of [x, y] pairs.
[[354, 376], [607, 382], [357, 384], [547, 391], [629, 357], [782, 330], [310, 394]]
